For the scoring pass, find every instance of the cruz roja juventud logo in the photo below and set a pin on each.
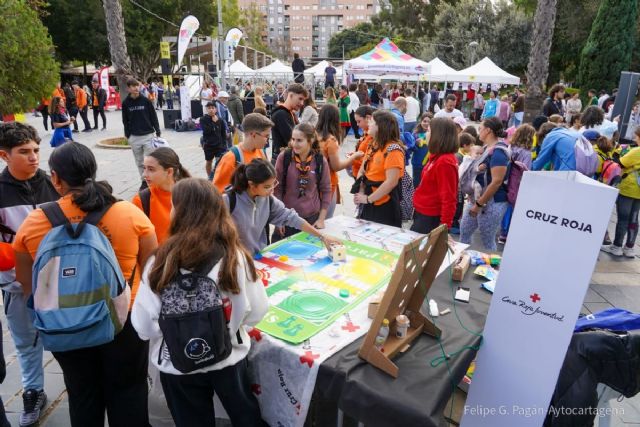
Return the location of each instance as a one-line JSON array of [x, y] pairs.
[[532, 308]]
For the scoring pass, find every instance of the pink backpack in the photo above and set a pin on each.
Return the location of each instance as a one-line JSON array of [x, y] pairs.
[[513, 183]]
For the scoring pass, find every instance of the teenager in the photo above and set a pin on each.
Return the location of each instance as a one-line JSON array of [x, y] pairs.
[[485, 212], [436, 197], [23, 186], [111, 376], [344, 101], [363, 115], [223, 259], [214, 137], [83, 105], [162, 170], [98, 104], [285, 117], [60, 121], [253, 207], [256, 129], [140, 123], [627, 204], [354, 103], [378, 179], [328, 130], [330, 96], [301, 188], [421, 134]]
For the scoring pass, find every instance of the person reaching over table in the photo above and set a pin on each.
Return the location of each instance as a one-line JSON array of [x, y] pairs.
[[253, 206], [377, 187]]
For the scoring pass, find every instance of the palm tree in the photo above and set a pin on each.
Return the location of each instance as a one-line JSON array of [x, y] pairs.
[[538, 68], [117, 43]]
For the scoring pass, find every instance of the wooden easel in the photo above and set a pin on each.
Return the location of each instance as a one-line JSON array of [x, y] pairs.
[[414, 273]]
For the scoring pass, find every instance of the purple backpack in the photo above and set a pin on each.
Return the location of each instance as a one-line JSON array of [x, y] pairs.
[[518, 168]]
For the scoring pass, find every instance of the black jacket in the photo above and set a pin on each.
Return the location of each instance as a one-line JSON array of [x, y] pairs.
[[139, 117], [213, 133], [102, 97], [17, 200], [283, 123], [597, 356], [298, 70]]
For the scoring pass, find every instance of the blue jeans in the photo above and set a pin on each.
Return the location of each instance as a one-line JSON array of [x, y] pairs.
[[487, 221], [20, 322]]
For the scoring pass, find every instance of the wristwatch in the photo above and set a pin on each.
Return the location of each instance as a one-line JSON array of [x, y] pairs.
[[480, 205]]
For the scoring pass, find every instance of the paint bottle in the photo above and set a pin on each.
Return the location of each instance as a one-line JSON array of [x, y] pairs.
[[383, 333], [402, 325]]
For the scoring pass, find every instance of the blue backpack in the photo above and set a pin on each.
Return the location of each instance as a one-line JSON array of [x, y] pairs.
[[80, 297]]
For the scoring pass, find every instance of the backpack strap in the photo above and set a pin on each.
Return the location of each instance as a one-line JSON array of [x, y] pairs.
[[319, 158], [288, 154], [231, 195], [56, 217], [237, 153], [145, 199]]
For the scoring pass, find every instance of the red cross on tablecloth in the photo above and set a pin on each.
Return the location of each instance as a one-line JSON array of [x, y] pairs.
[[349, 326], [308, 357], [535, 297], [255, 334]]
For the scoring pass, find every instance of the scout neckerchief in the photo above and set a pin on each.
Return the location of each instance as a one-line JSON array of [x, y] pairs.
[[303, 173]]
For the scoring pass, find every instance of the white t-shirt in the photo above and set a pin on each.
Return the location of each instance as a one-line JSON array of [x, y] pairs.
[[205, 96], [452, 115], [413, 110]]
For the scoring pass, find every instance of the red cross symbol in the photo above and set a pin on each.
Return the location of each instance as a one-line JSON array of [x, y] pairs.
[[255, 334], [535, 298], [256, 389], [349, 326], [308, 357]]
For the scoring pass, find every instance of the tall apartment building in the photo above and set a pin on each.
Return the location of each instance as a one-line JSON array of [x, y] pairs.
[[306, 26]]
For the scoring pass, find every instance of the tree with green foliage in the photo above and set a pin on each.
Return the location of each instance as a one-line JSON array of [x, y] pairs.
[[610, 45], [29, 70], [253, 26], [78, 30], [352, 39]]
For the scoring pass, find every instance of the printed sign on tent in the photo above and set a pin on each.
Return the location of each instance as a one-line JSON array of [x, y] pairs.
[[554, 240]]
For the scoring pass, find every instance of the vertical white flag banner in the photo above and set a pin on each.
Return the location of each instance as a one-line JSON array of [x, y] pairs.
[[104, 78], [554, 240], [188, 27], [234, 36]]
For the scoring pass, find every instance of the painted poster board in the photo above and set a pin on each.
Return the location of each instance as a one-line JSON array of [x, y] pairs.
[[556, 231]]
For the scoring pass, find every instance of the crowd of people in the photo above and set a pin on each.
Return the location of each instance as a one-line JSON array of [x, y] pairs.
[[457, 175]]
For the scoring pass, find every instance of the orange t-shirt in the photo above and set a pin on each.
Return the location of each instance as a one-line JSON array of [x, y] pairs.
[[363, 145], [81, 98], [377, 165], [330, 147], [227, 165], [160, 211], [59, 92], [123, 224]]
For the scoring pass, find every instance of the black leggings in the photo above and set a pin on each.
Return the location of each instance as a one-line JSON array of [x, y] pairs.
[[424, 224], [96, 111], [45, 118]]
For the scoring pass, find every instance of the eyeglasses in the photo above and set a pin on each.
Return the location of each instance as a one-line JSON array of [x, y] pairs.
[[265, 136], [270, 187]]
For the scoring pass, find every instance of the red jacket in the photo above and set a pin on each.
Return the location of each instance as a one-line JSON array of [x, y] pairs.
[[437, 194]]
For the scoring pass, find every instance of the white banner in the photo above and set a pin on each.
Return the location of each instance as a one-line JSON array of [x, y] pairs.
[[233, 36], [188, 27], [102, 76], [554, 240]]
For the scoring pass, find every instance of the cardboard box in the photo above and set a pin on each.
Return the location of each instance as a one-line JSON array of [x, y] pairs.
[[460, 267]]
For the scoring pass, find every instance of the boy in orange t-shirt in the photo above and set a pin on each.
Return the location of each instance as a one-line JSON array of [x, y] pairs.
[[83, 106], [257, 129]]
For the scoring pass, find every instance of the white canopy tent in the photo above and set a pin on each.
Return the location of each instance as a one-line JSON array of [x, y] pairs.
[[237, 67], [318, 69], [387, 61], [484, 71], [440, 72], [276, 68]]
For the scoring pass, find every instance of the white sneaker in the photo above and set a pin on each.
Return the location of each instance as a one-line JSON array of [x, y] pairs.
[[629, 252], [612, 249]]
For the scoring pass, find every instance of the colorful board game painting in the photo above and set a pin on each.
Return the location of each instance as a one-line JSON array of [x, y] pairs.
[[308, 291]]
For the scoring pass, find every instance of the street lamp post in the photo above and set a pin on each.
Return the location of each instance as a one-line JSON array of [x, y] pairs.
[[472, 47]]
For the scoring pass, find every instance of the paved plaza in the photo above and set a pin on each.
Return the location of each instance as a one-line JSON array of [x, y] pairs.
[[614, 282]]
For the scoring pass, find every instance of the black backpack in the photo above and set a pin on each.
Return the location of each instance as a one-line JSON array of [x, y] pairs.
[[288, 155], [193, 322]]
